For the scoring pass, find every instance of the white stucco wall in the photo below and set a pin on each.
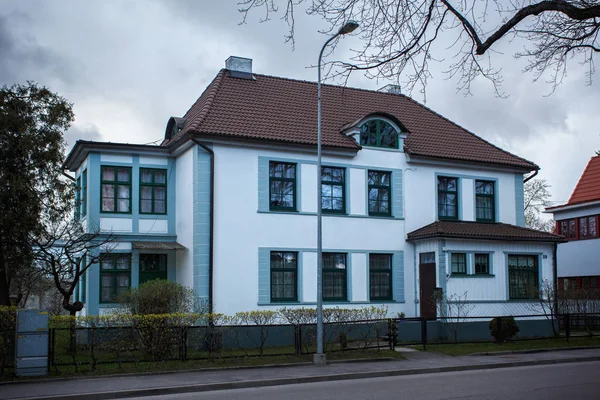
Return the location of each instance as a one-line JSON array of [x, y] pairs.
[[183, 217]]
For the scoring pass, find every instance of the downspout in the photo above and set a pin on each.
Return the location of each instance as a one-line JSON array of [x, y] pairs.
[[555, 278], [212, 219], [531, 176], [68, 176]]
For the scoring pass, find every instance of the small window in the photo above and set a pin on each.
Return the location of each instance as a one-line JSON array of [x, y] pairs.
[[427, 258], [115, 276], [380, 276], [84, 193], [522, 277], [153, 191], [459, 263], [333, 192], [116, 190], [447, 197], [378, 133], [284, 276], [484, 201], [380, 195], [568, 228], [282, 186], [482, 264], [334, 277]]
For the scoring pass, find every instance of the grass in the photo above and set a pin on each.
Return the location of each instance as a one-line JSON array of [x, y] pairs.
[[488, 347]]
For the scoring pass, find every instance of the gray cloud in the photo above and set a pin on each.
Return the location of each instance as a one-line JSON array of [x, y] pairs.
[[86, 132]]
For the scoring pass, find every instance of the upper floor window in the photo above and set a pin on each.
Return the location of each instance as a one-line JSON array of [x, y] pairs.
[[579, 228], [378, 133], [484, 201], [333, 196], [587, 227], [116, 189], [447, 197], [77, 197], [153, 191], [380, 194], [282, 186], [83, 199]]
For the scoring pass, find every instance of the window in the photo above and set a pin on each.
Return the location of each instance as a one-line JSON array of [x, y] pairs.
[[284, 276], [380, 276], [484, 201], [153, 191], [378, 133], [116, 189], [458, 262], [333, 196], [77, 198], [482, 264], [334, 277], [447, 197], [282, 186], [522, 277], [567, 228], [84, 193], [427, 258], [587, 227], [380, 194], [152, 266], [115, 276]]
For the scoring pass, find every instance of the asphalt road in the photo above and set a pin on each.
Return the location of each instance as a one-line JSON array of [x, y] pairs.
[[578, 381]]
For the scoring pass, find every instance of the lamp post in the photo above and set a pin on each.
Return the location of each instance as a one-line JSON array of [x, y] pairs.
[[319, 357]]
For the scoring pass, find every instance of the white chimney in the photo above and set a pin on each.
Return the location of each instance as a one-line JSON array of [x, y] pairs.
[[239, 67], [391, 88]]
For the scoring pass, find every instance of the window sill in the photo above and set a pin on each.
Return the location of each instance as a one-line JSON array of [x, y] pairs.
[[472, 276]]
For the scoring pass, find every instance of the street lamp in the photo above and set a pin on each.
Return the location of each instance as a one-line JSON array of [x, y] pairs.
[[319, 357]]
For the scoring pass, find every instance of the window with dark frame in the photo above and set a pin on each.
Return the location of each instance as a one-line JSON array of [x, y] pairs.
[[485, 201], [153, 191], [378, 133], [380, 194], [115, 276], [116, 189], [458, 263], [523, 277], [447, 197], [579, 228], [77, 198], [284, 276], [334, 277], [587, 227], [282, 186], [482, 263], [380, 276], [84, 193], [333, 190]]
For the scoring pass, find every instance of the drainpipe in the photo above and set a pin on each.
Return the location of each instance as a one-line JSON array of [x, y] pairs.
[[555, 277], [68, 176], [531, 176], [212, 219]]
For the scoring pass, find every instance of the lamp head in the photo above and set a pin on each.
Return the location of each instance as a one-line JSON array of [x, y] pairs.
[[348, 27]]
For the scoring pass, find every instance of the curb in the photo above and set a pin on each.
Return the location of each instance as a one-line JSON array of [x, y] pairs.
[[532, 351], [162, 391]]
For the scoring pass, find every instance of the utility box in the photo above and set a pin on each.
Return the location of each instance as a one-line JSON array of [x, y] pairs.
[[31, 351]]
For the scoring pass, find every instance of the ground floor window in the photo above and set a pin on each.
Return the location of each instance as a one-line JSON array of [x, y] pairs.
[[153, 266], [458, 263], [334, 277], [284, 276], [482, 264], [523, 277], [380, 276], [115, 276]]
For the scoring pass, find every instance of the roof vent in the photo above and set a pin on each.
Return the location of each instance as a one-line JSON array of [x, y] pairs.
[[239, 67], [391, 88]]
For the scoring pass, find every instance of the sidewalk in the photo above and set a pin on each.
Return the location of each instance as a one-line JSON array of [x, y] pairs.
[[184, 382]]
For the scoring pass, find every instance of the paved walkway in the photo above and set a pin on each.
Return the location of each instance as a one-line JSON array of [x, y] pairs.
[[183, 382]]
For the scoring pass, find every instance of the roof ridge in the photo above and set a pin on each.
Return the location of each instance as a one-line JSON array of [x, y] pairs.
[[587, 167]]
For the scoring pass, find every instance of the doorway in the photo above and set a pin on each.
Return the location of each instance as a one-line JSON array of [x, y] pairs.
[[427, 284]]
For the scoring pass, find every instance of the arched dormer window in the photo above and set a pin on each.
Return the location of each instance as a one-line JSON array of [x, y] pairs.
[[378, 133]]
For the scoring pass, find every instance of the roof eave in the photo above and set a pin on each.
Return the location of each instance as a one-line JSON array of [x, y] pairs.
[[567, 207], [422, 157], [509, 239], [83, 147]]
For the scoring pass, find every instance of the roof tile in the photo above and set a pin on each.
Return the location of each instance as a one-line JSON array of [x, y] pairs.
[[588, 187]]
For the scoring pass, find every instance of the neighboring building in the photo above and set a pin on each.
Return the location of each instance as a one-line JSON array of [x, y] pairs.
[[578, 220], [227, 204]]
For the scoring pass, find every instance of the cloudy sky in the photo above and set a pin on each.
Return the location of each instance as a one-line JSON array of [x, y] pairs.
[[129, 65]]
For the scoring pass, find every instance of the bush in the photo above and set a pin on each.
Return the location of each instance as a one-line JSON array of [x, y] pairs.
[[158, 297], [509, 328]]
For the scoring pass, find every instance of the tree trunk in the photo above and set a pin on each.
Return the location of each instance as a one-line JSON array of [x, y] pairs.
[[4, 292], [73, 334]]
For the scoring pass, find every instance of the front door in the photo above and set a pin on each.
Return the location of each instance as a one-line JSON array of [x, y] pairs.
[[427, 284], [153, 266]]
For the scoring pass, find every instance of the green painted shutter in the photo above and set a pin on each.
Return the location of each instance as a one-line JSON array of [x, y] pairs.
[[264, 276], [398, 275], [263, 184], [397, 208]]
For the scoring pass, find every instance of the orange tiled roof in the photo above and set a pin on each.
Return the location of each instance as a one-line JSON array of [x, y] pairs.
[[588, 187]]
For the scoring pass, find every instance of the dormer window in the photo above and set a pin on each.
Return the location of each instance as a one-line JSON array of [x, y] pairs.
[[378, 133]]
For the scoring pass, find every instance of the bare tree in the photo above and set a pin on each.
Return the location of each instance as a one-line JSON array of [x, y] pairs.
[[402, 37], [454, 309], [537, 197]]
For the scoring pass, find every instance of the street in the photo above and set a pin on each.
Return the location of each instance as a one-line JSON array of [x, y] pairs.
[[577, 381]]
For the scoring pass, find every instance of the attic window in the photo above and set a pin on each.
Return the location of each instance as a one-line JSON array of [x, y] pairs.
[[378, 133]]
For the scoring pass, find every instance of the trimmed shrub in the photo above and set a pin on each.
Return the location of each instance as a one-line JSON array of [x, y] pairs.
[[508, 329], [158, 297]]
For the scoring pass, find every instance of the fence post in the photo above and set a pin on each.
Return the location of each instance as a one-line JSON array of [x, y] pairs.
[[424, 333], [567, 326]]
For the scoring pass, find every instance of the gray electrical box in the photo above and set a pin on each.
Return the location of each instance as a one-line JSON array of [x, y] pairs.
[[31, 352]]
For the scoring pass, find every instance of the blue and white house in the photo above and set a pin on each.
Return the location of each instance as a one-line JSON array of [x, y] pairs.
[[227, 204]]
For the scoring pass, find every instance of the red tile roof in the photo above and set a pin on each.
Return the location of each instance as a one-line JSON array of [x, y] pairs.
[[588, 187], [285, 110], [481, 230]]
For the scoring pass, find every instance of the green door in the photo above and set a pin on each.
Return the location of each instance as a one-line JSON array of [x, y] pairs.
[[153, 266]]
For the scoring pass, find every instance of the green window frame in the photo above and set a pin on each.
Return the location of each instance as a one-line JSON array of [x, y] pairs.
[[84, 193], [77, 198], [523, 277], [447, 197], [282, 186], [380, 193], [284, 276], [380, 276], [482, 264], [333, 190], [153, 191], [458, 263], [379, 133], [335, 279], [115, 276], [485, 201], [115, 189]]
